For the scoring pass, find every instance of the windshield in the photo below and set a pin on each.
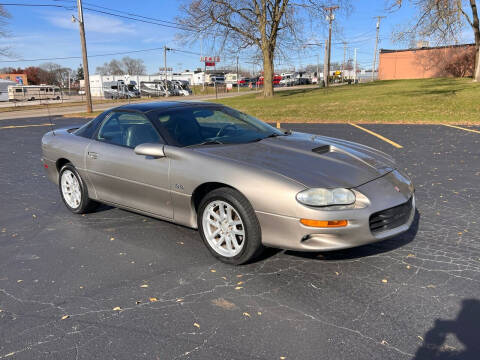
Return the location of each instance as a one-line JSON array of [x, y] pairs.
[[211, 125]]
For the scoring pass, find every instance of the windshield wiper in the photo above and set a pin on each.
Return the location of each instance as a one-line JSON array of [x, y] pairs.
[[208, 142]]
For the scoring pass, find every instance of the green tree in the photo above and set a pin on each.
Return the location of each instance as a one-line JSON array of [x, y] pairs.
[[79, 75]]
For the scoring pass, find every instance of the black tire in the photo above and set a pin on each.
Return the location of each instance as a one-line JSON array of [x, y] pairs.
[[86, 204], [252, 246]]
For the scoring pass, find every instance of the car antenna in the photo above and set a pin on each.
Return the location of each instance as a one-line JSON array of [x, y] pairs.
[[50, 119]]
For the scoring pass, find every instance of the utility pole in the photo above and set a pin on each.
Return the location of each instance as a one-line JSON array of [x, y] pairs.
[[86, 77], [354, 65], [238, 80], [318, 74], [330, 18], [325, 65], [344, 57], [379, 18], [165, 49]]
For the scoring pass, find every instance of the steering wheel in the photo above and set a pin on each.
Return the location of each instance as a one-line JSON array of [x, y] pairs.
[[222, 129]]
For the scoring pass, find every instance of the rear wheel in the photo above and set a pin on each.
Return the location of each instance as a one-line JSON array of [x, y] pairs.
[[229, 227], [74, 191]]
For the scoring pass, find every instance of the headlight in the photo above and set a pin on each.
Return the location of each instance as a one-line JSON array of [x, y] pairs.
[[326, 197]]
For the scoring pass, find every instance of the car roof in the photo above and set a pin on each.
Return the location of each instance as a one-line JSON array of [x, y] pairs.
[[161, 105]]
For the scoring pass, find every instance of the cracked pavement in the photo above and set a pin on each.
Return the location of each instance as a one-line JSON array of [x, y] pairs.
[[118, 285]]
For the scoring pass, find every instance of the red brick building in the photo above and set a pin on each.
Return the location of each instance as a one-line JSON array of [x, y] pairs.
[[20, 79], [427, 62]]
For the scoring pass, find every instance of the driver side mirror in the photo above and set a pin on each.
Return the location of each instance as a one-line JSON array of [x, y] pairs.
[[150, 149]]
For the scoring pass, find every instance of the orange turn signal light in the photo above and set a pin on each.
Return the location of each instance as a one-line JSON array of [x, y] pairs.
[[324, 223]]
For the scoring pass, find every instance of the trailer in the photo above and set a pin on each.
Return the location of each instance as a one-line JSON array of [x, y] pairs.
[[33, 92], [4, 84], [120, 90], [153, 88], [182, 86]]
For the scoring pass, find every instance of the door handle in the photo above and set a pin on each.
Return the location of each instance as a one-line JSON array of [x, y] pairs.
[[92, 155]]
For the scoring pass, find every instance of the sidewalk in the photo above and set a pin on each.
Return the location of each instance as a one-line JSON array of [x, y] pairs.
[[79, 108]]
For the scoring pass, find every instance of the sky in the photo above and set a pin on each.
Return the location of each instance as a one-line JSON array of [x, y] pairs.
[[48, 32]]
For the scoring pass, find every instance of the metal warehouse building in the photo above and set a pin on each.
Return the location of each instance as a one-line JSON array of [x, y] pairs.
[[427, 62]]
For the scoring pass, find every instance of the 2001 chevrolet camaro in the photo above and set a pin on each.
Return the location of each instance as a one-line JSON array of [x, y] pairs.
[[241, 182]]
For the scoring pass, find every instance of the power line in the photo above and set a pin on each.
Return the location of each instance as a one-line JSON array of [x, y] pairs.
[[38, 5], [156, 22], [139, 20], [136, 15], [97, 55]]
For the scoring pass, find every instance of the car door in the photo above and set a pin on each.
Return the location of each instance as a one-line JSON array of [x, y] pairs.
[[122, 177]]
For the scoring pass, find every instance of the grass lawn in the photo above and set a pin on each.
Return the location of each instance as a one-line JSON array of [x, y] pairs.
[[395, 101]]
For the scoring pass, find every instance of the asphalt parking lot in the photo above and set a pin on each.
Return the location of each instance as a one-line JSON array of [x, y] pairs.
[[117, 285]]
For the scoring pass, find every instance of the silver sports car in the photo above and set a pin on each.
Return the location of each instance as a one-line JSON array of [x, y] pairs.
[[241, 182]]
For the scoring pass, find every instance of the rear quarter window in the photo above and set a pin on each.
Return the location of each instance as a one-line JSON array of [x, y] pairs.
[[89, 128]]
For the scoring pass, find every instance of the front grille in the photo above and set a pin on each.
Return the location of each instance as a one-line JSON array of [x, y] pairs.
[[390, 218]]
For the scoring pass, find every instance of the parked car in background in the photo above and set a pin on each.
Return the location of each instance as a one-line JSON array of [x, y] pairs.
[[276, 80], [216, 79], [287, 80], [302, 81]]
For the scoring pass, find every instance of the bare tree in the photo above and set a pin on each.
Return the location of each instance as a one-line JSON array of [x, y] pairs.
[[134, 66], [122, 67], [55, 74], [262, 24], [444, 20], [114, 67]]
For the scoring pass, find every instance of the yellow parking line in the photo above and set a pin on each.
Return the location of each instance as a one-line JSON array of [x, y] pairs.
[[23, 126], [393, 143], [461, 128]]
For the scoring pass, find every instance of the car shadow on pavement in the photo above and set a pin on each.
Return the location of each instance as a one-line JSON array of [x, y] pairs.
[[365, 250], [466, 328]]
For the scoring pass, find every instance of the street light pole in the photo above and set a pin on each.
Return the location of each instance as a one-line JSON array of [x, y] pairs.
[[354, 65], [165, 49], [84, 56]]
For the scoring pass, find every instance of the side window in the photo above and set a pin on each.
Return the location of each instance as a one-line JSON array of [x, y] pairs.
[[18, 90], [127, 129]]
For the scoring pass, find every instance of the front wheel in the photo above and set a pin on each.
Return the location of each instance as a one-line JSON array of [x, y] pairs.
[[74, 191], [229, 227]]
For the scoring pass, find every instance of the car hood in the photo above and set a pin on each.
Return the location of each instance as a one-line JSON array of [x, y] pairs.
[[312, 160]]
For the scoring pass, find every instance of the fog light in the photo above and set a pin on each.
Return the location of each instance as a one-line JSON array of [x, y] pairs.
[[324, 223]]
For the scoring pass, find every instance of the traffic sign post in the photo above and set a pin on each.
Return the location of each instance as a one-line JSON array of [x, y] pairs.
[[208, 61]]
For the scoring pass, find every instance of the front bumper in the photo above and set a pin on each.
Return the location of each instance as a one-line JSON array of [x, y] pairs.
[[383, 193]]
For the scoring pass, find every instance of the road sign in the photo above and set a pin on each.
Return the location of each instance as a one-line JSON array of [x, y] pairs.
[[213, 59]]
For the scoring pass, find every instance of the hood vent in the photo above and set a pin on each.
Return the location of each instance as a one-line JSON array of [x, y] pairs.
[[322, 149]]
